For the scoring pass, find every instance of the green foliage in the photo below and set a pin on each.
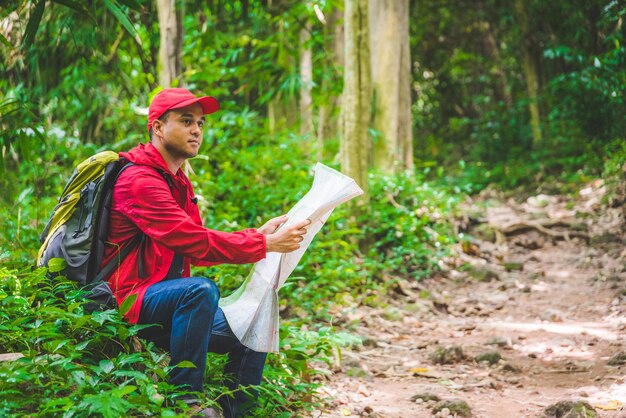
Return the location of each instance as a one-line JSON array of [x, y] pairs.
[[590, 86], [87, 48], [616, 155], [253, 52], [74, 364], [408, 225], [32, 187], [615, 172], [473, 99], [16, 111]]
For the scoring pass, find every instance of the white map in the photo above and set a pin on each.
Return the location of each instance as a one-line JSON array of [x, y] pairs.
[[252, 310]]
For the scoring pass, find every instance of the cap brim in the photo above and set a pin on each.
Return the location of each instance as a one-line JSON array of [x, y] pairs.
[[209, 104]]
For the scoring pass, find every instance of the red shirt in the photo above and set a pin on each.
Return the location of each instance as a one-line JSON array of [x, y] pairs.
[[143, 203]]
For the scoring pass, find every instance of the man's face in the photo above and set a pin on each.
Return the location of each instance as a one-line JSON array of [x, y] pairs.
[[181, 132]]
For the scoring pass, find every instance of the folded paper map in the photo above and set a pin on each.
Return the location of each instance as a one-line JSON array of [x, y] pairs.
[[252, 310]]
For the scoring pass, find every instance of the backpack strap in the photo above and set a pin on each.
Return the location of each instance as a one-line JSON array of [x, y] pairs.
[[168, 180], [108, 268], [138, 241]]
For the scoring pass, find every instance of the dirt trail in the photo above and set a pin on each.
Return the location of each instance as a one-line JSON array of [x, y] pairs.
[[550, 304]]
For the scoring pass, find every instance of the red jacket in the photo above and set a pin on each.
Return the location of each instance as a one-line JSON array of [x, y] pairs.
[[143, 203]]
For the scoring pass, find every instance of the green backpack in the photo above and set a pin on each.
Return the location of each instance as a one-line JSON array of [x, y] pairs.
[[79, 224]]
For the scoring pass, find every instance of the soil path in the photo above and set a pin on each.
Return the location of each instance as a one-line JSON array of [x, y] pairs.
[[550, 305]]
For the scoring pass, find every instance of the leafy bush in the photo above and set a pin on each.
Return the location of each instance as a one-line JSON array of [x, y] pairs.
[[74, 364], [77, 364], [293, 374]]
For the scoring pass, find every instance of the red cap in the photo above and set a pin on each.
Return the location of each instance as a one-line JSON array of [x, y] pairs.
[[175, 98]]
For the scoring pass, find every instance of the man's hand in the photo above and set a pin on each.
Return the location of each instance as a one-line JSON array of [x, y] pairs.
[[270, 226], [287, 239]]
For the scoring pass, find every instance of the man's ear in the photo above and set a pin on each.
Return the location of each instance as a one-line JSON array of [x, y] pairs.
[[157, 127]]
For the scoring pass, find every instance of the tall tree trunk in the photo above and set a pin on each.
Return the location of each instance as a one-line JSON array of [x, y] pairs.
[[170, 47], [356, 93], [530, 70], [532, 85], [391, 77], [306, 80], [283, 109], [337, 28], [327, 120], [502, 88], [338, 53], [405, 119], [322, 118]]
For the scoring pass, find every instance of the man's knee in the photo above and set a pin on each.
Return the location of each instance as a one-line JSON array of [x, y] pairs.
[[205, 291]]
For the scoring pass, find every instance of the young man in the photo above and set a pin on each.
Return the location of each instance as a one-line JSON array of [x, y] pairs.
[[154, 209]]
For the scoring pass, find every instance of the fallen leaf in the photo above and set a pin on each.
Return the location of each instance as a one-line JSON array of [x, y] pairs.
[[428, 374], [345, 412], [612, 405]]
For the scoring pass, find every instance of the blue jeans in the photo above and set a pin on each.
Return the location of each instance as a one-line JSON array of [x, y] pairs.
[[190, 324]]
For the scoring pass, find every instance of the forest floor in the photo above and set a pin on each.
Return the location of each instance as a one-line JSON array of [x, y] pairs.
[[538, 292]]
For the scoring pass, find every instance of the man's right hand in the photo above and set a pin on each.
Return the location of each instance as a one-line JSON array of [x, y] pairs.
[[286, 239]]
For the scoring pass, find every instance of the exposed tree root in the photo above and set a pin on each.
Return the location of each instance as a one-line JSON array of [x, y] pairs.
[[543, 226]]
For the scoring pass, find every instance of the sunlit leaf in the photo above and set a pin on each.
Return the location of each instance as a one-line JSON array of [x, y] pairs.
[[154, 395], [106, 366], [55, 265], [127, 304], [186, 364], [125, 390]]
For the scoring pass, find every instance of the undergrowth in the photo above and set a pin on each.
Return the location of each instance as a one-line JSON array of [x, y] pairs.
[[543, 171], [66, 362]]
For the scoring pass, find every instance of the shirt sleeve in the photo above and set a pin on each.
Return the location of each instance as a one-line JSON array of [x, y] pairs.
[[148, 202], [203, 263]]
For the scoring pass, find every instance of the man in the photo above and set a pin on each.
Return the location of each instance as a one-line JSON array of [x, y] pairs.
[[154, 209]]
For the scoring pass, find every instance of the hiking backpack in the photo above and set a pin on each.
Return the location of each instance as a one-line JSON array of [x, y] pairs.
[[79, 224]]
